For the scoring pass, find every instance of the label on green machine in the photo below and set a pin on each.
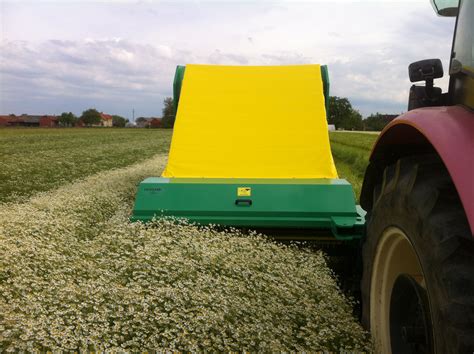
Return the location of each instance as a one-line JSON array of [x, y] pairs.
[[244, 191]]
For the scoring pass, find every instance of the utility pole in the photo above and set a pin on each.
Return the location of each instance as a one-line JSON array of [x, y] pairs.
[[133, 115]]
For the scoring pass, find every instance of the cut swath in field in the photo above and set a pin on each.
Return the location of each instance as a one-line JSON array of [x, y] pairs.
[[75, 274]]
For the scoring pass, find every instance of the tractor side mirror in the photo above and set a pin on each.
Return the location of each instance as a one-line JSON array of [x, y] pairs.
[[425, 70], [425, 96]]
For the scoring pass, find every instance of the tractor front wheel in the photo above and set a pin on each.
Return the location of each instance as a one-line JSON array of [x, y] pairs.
[[418, 275]]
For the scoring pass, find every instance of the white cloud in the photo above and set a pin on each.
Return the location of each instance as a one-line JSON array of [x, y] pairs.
[[69, 56]]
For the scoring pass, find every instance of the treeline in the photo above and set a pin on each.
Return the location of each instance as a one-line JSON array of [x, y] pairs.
[[343, 116], [89, 117]]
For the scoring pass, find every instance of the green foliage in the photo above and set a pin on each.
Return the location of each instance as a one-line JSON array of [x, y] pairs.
[[351, 154], [377, 121], [169, 113], [90, 117], [353, 121], [119, 121], [67, 119], [49, 158], [343, 115]]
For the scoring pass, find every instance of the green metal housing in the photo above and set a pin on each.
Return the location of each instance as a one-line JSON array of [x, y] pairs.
[[254, 203], [177, 83], [325, 76], [288, 206]]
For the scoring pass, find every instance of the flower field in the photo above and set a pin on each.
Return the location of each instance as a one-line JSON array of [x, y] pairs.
[[36, 160], [76, 275]]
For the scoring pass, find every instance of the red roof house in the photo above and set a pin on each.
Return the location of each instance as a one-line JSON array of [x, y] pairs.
[[106, 120]]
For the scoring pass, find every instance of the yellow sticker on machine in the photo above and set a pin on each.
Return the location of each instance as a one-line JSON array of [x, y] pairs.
[[244, 191]]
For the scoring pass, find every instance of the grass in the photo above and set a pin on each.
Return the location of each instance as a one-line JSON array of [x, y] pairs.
[[351, 155], [37, 160]]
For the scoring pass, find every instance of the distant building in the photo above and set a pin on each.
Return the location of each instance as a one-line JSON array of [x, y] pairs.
[[156, 123], [48, 121], [331, 127], [28, 120], [148, 122], [105, 121], [4, 121]]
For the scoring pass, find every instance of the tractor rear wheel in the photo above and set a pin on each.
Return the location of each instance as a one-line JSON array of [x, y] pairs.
[[418, 275]]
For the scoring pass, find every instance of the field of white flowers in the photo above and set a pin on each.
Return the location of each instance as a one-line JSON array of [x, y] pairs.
[[36, 160], [76, 275]]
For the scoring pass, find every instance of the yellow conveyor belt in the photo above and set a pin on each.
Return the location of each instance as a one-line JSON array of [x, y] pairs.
[[251, 122]]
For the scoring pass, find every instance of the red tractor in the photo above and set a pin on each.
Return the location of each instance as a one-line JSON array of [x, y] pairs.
[[418, 254]]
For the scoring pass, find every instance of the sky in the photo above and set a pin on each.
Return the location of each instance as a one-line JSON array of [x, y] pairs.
[[120, 56]]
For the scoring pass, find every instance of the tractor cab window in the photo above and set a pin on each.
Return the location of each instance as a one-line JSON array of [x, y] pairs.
[[464, 40], [445, 7]]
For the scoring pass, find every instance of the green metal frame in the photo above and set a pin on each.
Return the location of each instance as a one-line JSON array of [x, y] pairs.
[[256, 203], [177, 84], [325, 76]]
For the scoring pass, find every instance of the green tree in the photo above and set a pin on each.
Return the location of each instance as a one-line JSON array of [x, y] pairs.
[[90, 117], [67, 119], [353, 121], [119, 121], [169, 113], [343, 115], [377, 121]]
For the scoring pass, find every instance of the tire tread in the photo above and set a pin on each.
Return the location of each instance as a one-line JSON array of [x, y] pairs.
[[420, 187]]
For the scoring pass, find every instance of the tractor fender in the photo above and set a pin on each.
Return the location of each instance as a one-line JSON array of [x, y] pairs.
[[447, 131]]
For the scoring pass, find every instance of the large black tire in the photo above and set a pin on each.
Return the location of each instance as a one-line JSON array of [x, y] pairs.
[[418, 203]]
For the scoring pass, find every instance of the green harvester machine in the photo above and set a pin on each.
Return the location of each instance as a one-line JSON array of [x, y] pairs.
[[250, 149]]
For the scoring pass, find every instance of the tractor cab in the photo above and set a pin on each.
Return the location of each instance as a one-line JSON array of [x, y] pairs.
[[461, 70]]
